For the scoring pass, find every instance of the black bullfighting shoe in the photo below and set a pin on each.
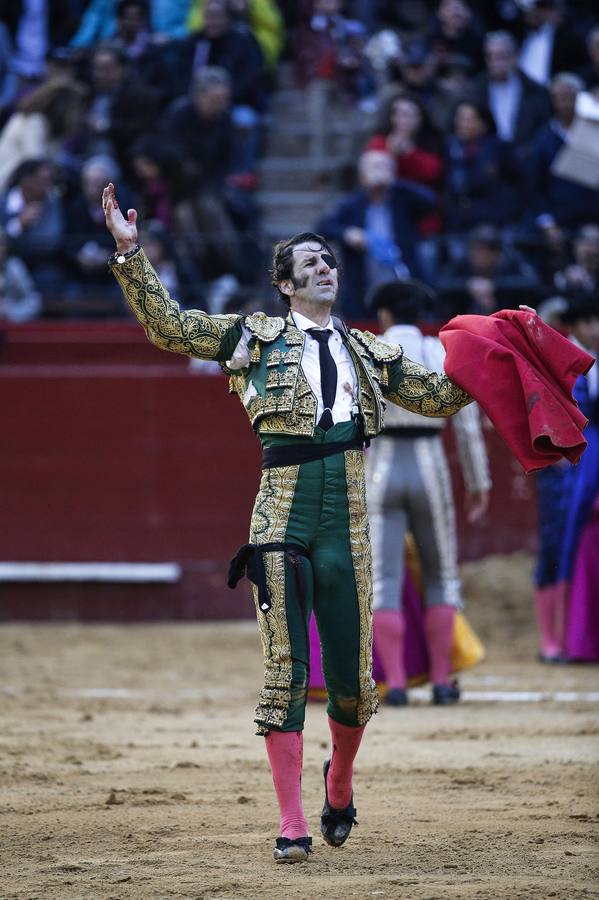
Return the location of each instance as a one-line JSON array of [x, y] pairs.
[[292, 850], [446, 694], [396, 697], [335, 824], [560, 659]]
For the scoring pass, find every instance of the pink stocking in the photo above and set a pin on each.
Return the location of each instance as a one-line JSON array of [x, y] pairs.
[[545, 598], [560, 614], [346, 741], [285, 753], [438, 623], [389, 629], [551, 604]]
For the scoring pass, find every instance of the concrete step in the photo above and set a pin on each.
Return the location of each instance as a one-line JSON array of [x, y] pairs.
[[295, 142], [285, 76], [295, 199], [285, 217], [287, 103], [281, 229], [280, 173]]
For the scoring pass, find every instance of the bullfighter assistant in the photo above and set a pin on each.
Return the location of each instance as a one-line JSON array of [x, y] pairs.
[[315, 394]]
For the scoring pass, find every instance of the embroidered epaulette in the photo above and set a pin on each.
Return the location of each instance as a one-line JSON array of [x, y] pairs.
[[265, 328], [379, 350]]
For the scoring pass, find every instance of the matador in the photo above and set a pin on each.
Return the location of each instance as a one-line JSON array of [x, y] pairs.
[[315, 394]]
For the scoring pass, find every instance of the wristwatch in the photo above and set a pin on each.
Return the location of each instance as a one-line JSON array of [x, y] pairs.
[[120, 258]]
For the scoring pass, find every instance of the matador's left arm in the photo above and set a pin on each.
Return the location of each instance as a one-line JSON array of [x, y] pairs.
[[414, 387]]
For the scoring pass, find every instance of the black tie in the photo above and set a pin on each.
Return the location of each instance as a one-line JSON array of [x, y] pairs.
[[328, 375]]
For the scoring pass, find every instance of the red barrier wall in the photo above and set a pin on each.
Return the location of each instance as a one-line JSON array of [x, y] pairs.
[[113, 451]]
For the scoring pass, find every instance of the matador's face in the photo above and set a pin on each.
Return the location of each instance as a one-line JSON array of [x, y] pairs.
[[315, 277]]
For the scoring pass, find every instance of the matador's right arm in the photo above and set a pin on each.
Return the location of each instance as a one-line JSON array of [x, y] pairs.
[[192, 332]]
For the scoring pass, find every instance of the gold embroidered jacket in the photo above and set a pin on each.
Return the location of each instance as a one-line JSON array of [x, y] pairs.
[[273, 388]]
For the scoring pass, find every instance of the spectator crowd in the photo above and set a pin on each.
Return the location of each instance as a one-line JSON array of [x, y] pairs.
[[462, 158]]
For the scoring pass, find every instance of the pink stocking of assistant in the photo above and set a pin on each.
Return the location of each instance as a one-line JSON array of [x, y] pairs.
[[438, 623], [285, 754], [389, 630], [346, 741], [545, 611]]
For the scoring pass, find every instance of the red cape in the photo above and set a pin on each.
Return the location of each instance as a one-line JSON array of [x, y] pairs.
[[521, 372]]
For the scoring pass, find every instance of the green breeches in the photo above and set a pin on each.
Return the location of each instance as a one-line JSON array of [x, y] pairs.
[[321, 507]]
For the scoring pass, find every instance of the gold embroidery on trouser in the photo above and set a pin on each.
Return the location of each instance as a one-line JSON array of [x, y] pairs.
[[359, 536], [269, 523]]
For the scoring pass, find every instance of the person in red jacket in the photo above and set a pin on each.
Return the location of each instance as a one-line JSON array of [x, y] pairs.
[[408, 136]]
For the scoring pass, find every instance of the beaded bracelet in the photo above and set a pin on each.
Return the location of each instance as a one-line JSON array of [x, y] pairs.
[[120, 258]]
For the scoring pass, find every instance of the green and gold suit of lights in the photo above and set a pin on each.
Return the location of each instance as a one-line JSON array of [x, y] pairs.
[[319, 506]]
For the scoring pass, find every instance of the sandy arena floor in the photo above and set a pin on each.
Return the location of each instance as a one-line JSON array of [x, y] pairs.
[[129, 769]]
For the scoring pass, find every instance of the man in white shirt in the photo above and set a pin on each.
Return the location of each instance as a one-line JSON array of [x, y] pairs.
[[409, 489], [519, 105]]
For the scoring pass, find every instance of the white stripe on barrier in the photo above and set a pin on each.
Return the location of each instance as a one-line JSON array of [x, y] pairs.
[[91, 571], [111, 693], [517, 696]]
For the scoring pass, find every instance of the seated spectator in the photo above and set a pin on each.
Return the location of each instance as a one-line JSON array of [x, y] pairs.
[[99, 21], [455, 30], [455, 75], [32, 214], [119, 109], [155, 242], [133, 37], [519, 105], [558, 203], [549, 41], [19, 300], [221, 42], [88, 245], [582, 277], [418, 76], [489, 278], [331, 67], [375, 227], [481, 180], [262, 17], [551, 311], [41, 125], [159, 178], [408, 136], [201, 126], [590, 72]]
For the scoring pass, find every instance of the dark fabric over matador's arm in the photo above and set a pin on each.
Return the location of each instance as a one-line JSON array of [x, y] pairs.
[[192, 332], [416, 388]]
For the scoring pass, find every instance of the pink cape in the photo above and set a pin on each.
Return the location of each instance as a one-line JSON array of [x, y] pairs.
[[521, 372]]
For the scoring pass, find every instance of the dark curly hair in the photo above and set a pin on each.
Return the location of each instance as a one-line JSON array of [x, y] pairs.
[[282, 257]]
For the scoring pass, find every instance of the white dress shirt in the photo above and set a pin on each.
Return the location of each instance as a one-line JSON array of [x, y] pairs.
[[346, 400], [536, 53], [429, 351], [504, 100], [346, 394]]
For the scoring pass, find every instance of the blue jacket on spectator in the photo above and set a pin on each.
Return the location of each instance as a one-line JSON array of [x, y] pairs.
[[99, 20], [570, 204], [481, 183], [408, 203]]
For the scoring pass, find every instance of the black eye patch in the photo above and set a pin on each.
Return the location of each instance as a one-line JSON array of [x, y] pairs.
[[329, 259]]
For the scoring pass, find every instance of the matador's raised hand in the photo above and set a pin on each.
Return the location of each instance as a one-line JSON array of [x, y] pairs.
[[123, 230]]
